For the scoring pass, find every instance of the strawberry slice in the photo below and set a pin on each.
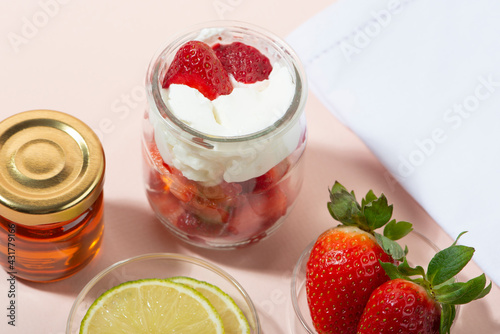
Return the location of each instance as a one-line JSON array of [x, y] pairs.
[[157, 160], [167, 204], [222, 191], [256, 213], [171, 179], [195, 227], [245, 222], [271, 204], [272, 177], [180, 187], [267, 180], [196, 65], [209, 210], [244, 62]]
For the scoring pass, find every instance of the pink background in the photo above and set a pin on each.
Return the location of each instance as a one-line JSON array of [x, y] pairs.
[[89, 58]]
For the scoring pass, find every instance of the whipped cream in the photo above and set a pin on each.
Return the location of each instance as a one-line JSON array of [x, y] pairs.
[[248, 109]]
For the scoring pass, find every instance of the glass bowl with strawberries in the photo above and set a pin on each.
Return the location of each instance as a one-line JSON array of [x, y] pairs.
[[421, 252], [353, 268], [224, 134]]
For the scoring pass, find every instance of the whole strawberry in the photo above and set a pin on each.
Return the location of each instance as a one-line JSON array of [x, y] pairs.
[[424, 304], [400, 306], [343, 268], [196, 65]]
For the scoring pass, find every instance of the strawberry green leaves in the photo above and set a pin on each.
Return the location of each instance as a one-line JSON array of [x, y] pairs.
[[448, 313], [373, 213], [448, 263], [444, 266], [462, 293], [396, 230], [440, 283], [377, 212], [390, 246], [344, 207], [403, 270]]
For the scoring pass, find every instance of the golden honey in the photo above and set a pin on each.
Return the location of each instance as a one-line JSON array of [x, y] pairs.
[[51, 203]]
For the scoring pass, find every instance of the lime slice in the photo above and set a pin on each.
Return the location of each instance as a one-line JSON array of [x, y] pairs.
[[151, 306], [232, 317]]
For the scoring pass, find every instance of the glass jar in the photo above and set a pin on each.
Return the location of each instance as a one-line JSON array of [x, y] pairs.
[[218, 191], [51, 202]]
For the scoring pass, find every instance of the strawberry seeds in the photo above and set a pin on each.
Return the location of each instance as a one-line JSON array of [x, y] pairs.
[[207, 69]]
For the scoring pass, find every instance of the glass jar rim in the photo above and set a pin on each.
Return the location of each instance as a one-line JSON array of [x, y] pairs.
[[297, 72]]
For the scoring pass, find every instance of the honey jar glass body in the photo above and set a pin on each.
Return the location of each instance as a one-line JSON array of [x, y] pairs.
[[51, 195]]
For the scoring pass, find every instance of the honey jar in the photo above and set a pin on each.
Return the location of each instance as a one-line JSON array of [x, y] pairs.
[[51, 195]]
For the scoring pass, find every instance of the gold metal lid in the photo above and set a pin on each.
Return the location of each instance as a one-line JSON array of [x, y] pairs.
[[51, 167]]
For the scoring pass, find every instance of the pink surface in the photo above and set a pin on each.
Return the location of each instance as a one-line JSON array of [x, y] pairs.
[[89, 59]]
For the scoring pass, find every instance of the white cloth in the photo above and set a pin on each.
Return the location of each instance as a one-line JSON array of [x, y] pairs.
[[419, 82]]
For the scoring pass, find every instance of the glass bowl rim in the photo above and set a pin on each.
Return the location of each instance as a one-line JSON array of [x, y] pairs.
[[295, 274], [168, 256]]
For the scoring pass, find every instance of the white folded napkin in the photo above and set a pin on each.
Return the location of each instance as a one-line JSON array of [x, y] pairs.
[[419, 82]]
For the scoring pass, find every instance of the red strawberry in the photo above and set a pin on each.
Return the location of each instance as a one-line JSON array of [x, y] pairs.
[[167, 205], [244, 222], [272, 177], [342, 271], [197, 66], [424, 304], [244, 62], [180, 187], [215, 204], [343, 267], [171, 178], [195, 227], [212, 211], [271, 204], [267, 180], [157, 160], [400, 306], [222, 191]]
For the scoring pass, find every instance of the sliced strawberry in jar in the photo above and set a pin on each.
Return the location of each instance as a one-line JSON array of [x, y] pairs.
[[196, 65], [168, 206], [256, 213], [272, 177], [172, 179], [245, 222], [271, 204], [193, 226], [210, 210], [157, 160], [222, 191], [153, 180], [180, 187], [215, 203], [267, 180], [244, 62]]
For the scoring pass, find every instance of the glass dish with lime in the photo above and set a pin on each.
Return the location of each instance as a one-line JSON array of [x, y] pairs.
[[163, 293]]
